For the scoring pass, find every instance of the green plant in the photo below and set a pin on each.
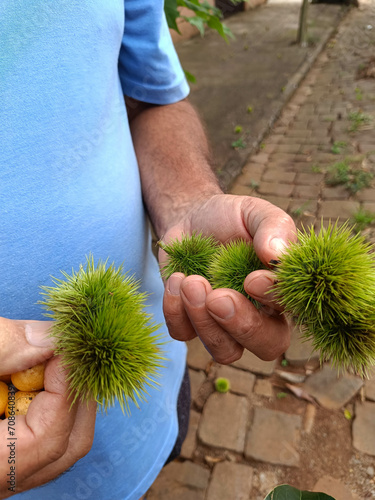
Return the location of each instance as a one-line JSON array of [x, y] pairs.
[[362, 219], [281, 395], [231, 264], [222, 385], [190, 255], [204, 14], [238, 129], [352, 176], [327, 282], [316, 169], [285, 492], [358, 94], [103, 334], [238, 144], [358, 120], [338, 146]]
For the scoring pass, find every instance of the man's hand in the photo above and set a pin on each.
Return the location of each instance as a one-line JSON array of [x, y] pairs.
[[225, 321], [51, 437]]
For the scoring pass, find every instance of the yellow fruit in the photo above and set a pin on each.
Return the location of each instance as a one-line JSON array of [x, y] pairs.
[[21, 403], [31, 379], [3, 397]]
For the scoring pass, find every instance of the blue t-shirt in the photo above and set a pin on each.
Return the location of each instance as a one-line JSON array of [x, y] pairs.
[[70, 186]]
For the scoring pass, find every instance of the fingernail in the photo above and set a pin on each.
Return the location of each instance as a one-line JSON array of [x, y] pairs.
[[259, 285], [37, 334], [174, 285], [223, 307], [195, 292], [277, 245]]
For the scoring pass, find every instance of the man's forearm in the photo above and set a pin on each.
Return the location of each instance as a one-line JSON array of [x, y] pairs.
[[174, 161]]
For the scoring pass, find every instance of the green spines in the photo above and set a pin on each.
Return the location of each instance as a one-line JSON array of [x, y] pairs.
[[232, 263], [327, 282], [105, 337], [222, 385], [190, 255]]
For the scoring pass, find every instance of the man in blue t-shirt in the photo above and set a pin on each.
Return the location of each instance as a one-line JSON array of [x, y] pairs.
[[80, 165]]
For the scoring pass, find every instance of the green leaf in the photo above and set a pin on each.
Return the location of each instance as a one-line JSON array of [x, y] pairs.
[[286, 492], [171, 13], [190, 77], [197, 22]]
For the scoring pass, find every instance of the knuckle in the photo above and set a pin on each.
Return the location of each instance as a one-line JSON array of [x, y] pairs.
[[229, 357], [82, 448]]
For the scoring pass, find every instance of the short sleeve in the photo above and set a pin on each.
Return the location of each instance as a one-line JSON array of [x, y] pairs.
[[149, 67]]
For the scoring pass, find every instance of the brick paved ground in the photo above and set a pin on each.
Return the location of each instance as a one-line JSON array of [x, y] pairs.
[[292, 421]]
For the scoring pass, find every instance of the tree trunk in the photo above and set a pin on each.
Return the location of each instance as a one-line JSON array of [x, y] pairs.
[[302, 28]]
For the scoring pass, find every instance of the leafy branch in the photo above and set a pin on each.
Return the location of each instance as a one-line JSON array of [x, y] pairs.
[[204, 15]]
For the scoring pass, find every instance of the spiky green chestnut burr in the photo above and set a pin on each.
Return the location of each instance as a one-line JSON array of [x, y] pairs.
[[222, 385], [105, 337], [190, 255], [232, 263], [327, 282]]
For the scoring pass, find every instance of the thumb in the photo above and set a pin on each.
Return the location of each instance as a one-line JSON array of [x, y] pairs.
[[271, 228], [23, 344]]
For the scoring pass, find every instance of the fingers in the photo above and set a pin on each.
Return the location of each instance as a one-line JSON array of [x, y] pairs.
[[222, 347], [260, 286], [266, 335], [271, 228], [225, 320], [176, 317], [49, 420], [23, 344], [53, 435], [79, 444]]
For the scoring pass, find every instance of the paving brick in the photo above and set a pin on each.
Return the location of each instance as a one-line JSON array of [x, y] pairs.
[[224, 421], [313, 179], [282, 157], [306, 192], [367, 194], [335, 192], [230, 481], [274, 138], [253, 364], [241, 190], [278, 175], [370, 389], [190, 443], [185, 481], [198, 357], [249, 179], [274, 437], [275, 188], [300, 349], [332, 391], [196, 380], [339, 209], [241, 382], [297, 132], [263, 387], [287, 148], [364, 428], [278, 201], [261, 158]]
